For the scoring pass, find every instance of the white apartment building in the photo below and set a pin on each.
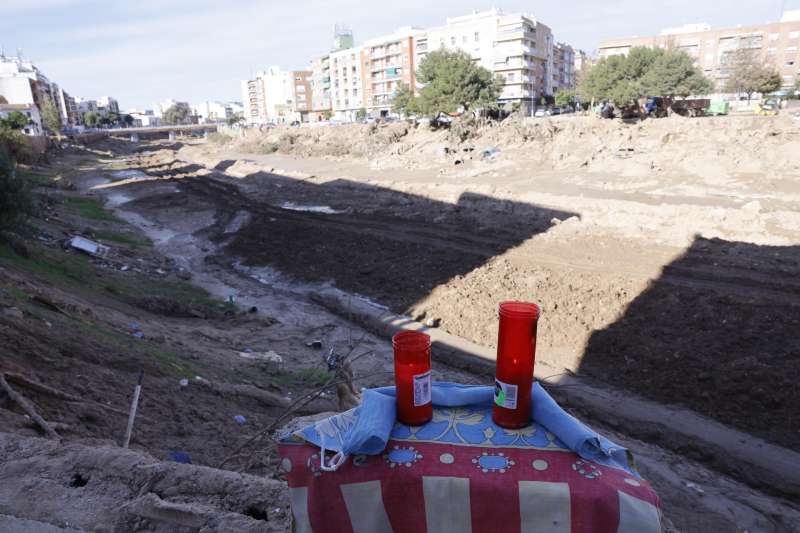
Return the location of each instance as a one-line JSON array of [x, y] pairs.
[[212, 112], [517, 48], [347, 94], [276, 96]]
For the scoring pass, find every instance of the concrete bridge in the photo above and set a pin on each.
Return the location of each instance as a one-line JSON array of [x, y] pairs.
[[159, 131]]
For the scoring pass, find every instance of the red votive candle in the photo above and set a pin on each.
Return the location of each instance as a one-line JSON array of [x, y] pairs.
[[412, 377], [516, 350]]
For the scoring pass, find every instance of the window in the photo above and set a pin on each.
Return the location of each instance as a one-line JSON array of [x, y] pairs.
[[477, 37], [510, 76], [773, 36]]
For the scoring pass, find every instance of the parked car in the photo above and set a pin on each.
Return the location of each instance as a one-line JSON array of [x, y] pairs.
[[541, 112], [555, 111]]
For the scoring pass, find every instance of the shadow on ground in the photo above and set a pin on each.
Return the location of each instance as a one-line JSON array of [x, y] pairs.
[[718, 332]]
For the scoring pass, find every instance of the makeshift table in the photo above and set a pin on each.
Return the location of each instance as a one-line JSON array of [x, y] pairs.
[[459, 473]]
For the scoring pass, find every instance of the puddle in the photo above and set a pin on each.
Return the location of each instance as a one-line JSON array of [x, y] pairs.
[[325, 209], [128, 174], [114, 200]]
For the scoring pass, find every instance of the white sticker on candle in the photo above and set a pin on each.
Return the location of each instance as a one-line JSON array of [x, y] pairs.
[[422, 389], [505, 394]]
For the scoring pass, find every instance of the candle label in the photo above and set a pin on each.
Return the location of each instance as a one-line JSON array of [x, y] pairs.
[[505, 394], [422, 389]]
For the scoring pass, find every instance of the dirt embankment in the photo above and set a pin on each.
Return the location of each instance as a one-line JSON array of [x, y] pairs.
[[715, 148]]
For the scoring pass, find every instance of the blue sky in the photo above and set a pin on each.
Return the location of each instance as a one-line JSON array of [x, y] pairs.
[[143, 51]]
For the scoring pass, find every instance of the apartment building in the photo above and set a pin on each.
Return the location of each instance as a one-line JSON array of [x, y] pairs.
[[776, 44], [277, 96], [517, 48], [563, 67], [387, 62], [34, 126], [320, 87], [347, 86], [67, 107], [210, 112], [302, 95], [254, 101]]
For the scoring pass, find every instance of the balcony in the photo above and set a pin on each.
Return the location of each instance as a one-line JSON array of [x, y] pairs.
[[515, 35]]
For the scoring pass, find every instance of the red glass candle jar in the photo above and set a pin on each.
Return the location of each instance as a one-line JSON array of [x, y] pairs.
[[516, 350], [412, 377]]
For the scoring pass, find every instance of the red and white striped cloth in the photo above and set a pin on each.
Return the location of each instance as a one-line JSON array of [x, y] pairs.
[[449, 488]]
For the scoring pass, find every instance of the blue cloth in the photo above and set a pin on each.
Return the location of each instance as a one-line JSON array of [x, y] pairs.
[[461, 414]]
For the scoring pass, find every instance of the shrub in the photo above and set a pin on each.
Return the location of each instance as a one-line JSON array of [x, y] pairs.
[[15, 196]]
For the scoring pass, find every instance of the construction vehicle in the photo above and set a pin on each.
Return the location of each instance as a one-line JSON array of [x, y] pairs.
[[767, 109]]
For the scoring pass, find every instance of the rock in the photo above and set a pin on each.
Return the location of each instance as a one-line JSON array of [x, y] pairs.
[[433, 322]]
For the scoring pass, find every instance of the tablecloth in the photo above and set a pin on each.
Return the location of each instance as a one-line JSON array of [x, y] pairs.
[[461, 472]]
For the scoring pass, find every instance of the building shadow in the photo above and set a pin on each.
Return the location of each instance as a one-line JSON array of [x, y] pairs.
[[391, 246], [719, 333]]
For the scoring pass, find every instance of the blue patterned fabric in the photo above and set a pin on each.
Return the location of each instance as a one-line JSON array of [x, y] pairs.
[[462, 415]]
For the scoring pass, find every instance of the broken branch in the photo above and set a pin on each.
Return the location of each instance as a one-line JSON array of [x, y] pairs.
[[28, 408]]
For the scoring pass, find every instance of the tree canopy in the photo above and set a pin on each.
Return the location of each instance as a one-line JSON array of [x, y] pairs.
[[51, 118], [748, 74], [451, 81], [14, 121], [565, 98], [177, 114], [91, 119], [643, 72]]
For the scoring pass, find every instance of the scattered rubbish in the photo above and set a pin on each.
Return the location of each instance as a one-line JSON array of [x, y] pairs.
[[124, 268], [317, 344], [159, 271], [180, 457], [240, 419], [136, 330], [324, 209], [695, 488], [184, 383], [433, 322], [89, 247], [490, 153]]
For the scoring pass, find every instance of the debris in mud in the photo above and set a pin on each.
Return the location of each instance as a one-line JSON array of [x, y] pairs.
[[88, 246]]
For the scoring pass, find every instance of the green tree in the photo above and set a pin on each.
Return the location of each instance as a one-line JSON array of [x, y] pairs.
[[643, 72], [404, 101], [235, 119], [673, 73], [91, 119], [177, 114], [51, 118], [127, 120], [361, 114], [748, 74], [113, 118], [452, 81], [15, 121], [15, 197], [566, 98]]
